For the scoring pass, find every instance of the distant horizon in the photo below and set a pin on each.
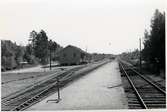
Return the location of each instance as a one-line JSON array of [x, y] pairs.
[[100, 26]]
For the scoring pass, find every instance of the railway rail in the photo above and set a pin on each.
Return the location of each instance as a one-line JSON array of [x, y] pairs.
[[142, 92], [26, 98]]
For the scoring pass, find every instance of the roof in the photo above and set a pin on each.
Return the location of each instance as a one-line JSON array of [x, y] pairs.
[[74, 47]]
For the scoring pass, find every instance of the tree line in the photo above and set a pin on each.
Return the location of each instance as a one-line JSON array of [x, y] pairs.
[[38, 51], [153, 53], [11, 54], [154, 42]]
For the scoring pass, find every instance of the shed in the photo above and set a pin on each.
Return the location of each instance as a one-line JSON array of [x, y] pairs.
[[71, 55]]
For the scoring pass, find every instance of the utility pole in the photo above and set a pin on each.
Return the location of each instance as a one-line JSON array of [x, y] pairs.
[[50, 45], [86, 57], [140, 56], [50, 60]]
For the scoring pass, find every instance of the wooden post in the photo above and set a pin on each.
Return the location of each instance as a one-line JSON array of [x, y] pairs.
[[58, 91]]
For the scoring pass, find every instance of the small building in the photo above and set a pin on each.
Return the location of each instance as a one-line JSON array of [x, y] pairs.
[[71, 55]]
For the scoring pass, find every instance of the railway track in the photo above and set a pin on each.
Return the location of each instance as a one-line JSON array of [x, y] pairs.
[[26, 98], [142, 93]]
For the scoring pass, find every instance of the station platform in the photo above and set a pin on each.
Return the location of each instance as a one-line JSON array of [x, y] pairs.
[[100, 89]]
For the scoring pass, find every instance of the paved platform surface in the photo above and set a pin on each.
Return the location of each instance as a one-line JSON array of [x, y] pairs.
[[100, 89]]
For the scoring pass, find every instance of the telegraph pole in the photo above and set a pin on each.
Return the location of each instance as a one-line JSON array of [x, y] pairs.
[[86, 57], [140, 56], [50, 60], [50, 55]]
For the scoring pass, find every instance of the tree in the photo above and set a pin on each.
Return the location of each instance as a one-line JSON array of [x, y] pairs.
[[154, 43], [41, 47], [19, 53], [10, 54], [147, 45], [32, 40], [29, 56], [32, 37]]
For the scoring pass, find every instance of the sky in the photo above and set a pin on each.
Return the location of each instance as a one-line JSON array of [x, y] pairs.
[[102, 26]]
